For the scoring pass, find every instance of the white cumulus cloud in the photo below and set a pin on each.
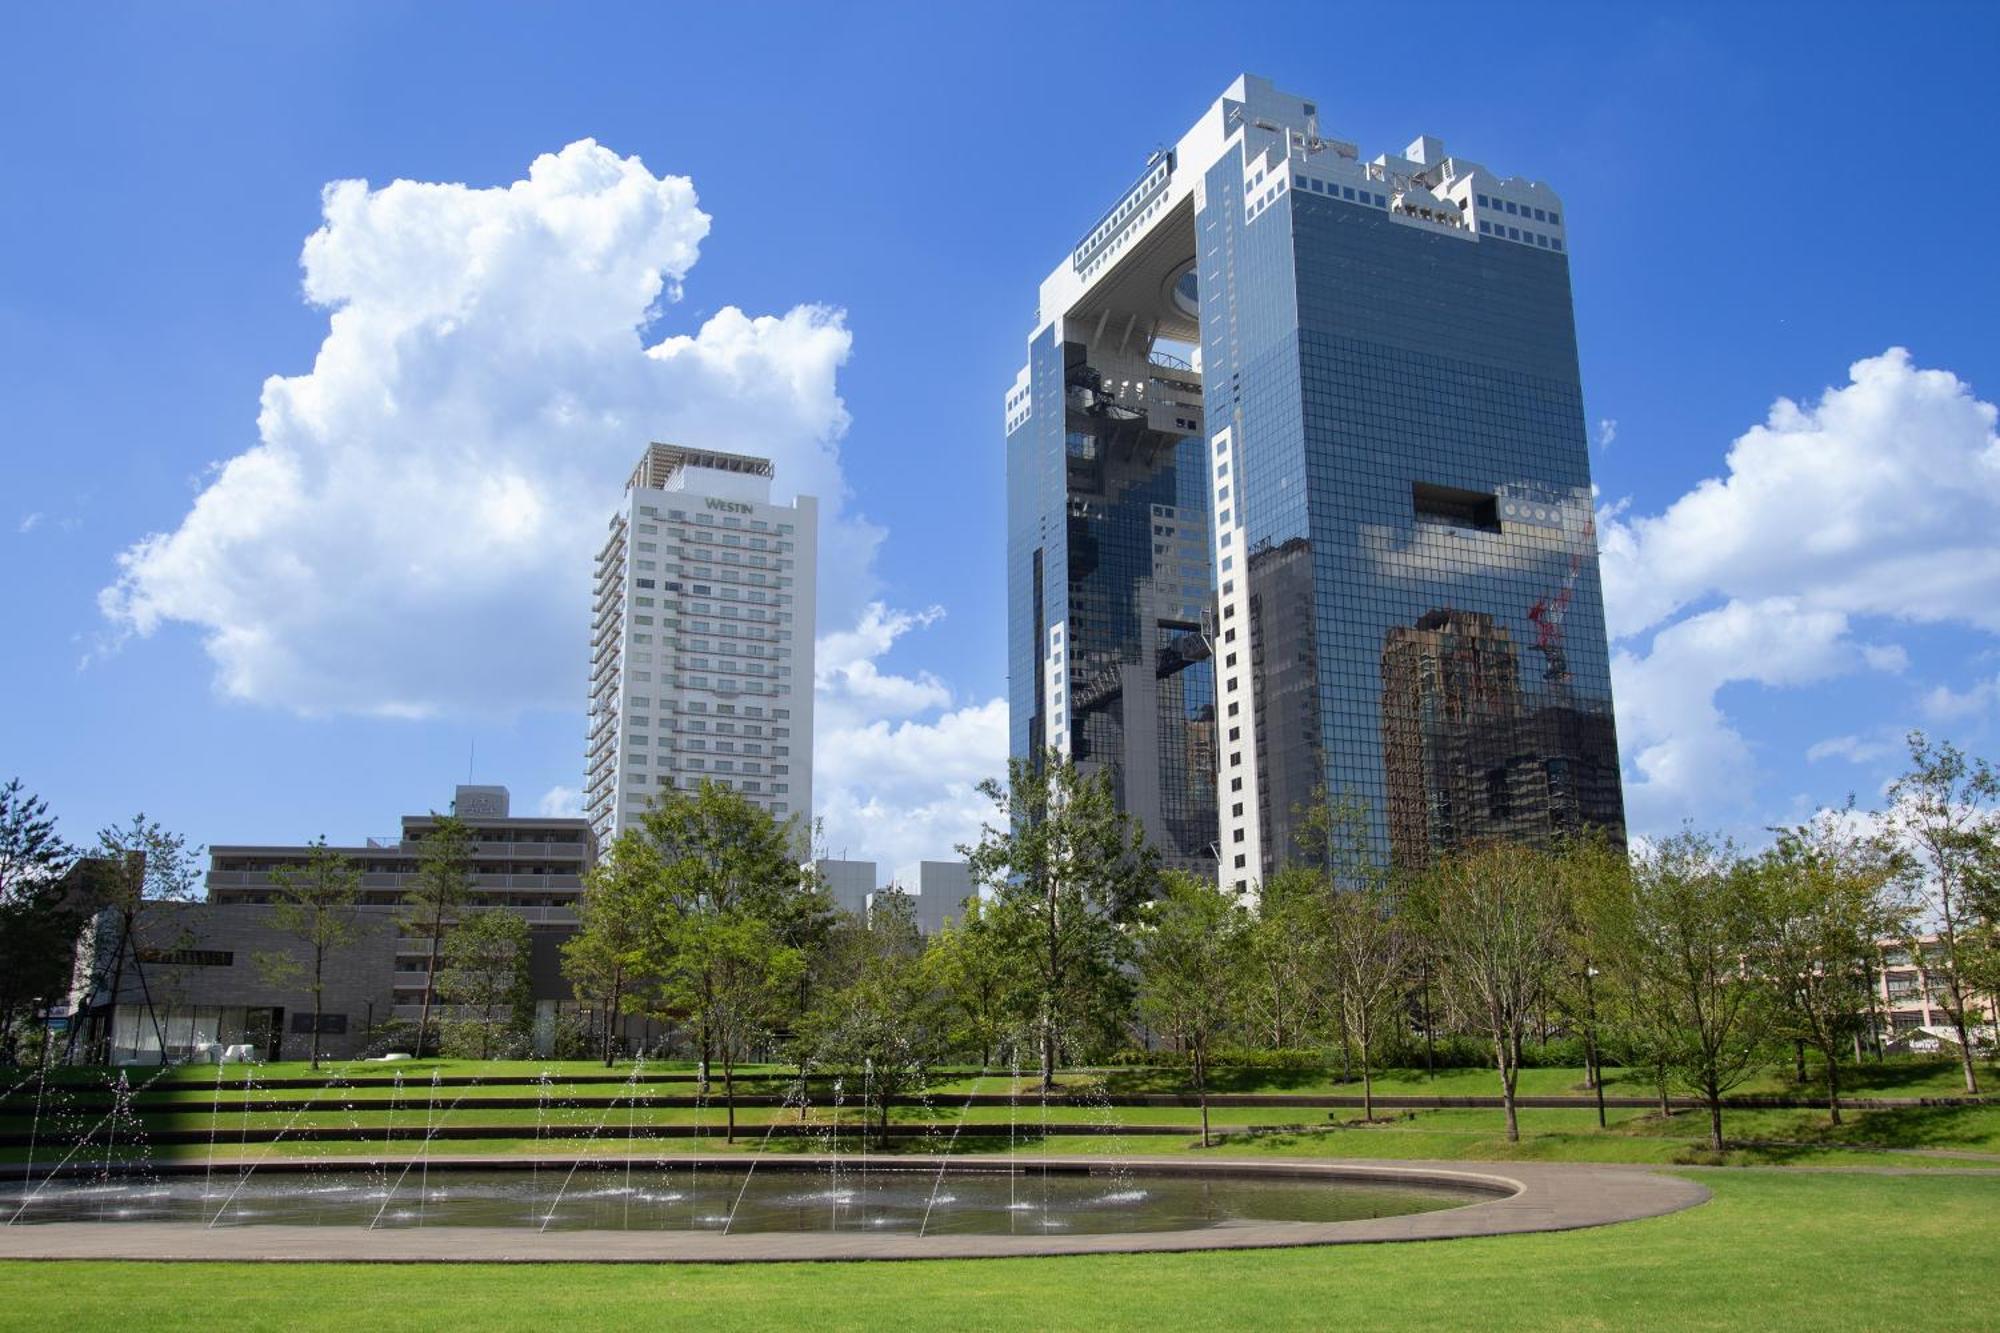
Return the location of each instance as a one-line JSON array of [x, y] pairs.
[[412, 533], [1877, 502], [897, 759], [560, 802]]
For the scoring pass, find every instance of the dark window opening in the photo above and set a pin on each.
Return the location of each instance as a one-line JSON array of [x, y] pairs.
[[1460, 509], [188, 957]]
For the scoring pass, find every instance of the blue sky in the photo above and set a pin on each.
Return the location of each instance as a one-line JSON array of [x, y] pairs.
[[1759, 198]]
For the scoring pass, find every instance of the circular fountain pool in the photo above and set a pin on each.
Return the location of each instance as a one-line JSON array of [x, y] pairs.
[[726, 1209], [727, 1198]]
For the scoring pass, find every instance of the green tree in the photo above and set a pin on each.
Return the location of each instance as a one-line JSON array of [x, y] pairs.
[[1696, 919], [715, 932], [1942, 813], [315, 905], [887, 1025], [1285, 968], [736, 980], [485, 980], [443, 882], [1369, 952], [156, 866], [1068, 868], [37, 930], [603, 958], [1492, 918], [1824, 909], [1595, 878], [1191, 956], [974, 974]]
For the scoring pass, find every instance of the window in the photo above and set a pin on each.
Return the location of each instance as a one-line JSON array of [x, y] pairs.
[[188, 957], [1239, 860], [329, 1024]]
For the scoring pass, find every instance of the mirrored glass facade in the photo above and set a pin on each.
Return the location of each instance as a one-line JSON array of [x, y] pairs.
[[1391, 471]]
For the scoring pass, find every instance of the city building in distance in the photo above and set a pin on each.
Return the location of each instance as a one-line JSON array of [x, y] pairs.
[[1355, 384], [937, 900], [848, 883], [701, 654], [204, 983]]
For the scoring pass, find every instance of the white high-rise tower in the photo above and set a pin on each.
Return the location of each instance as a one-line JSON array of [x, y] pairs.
[[701, 660]]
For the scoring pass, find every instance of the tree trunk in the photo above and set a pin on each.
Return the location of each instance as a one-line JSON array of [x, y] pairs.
[[1500, 1046], [1965, 1048], [430, 985], [611, 1016], [318, 1004], [1430, 1058], [1715, 1120], [1660, 1084], [729, 1096], [1367, 1086], [1048, 1051], [1832, 1087], [117, 981], [1798, 1061]]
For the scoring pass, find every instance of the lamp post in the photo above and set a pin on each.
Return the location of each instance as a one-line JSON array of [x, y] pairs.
[[1590, 1040]]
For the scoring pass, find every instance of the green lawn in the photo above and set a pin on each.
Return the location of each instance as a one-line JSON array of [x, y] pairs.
[[1772, 1249], [1789, 1136]]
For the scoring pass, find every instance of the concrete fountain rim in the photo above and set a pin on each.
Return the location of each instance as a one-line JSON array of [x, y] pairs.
[[1521, 1197]]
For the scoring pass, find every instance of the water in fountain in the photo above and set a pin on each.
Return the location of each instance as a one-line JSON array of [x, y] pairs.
[[214, 1124], [541, 1122], [424, 1149], [833, 1160], [781, 1199]]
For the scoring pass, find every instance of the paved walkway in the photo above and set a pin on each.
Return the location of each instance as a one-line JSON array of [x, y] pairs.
[[1526, 1196]]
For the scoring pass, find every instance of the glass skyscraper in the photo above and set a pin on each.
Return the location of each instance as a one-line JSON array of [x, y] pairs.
[[1355, 384]]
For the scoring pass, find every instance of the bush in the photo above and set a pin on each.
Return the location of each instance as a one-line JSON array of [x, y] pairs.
[[464, 1038]]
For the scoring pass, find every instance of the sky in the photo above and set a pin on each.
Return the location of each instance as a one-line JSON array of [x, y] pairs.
[[328, 337]]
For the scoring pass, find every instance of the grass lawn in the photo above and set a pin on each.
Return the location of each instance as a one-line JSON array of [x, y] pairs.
[[1773, 1249]]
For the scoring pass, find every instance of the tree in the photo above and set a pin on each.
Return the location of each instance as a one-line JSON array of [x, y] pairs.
[[727, 893], [886, 1026], [973, 974], [443, 882], [1191, 956], [1823, 913], [485, 977], [735, 978], [602, 959], [1696, 919], [1492, 917], [1069, 868], [1369, 950], [1595, 875], [1942, 813], [157, 866], [315, 905], [1284, 964], [37, 930]]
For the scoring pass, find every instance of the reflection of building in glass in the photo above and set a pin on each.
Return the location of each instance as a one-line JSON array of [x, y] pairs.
[[1391, 422], [1467, 756], [1108, 506]]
